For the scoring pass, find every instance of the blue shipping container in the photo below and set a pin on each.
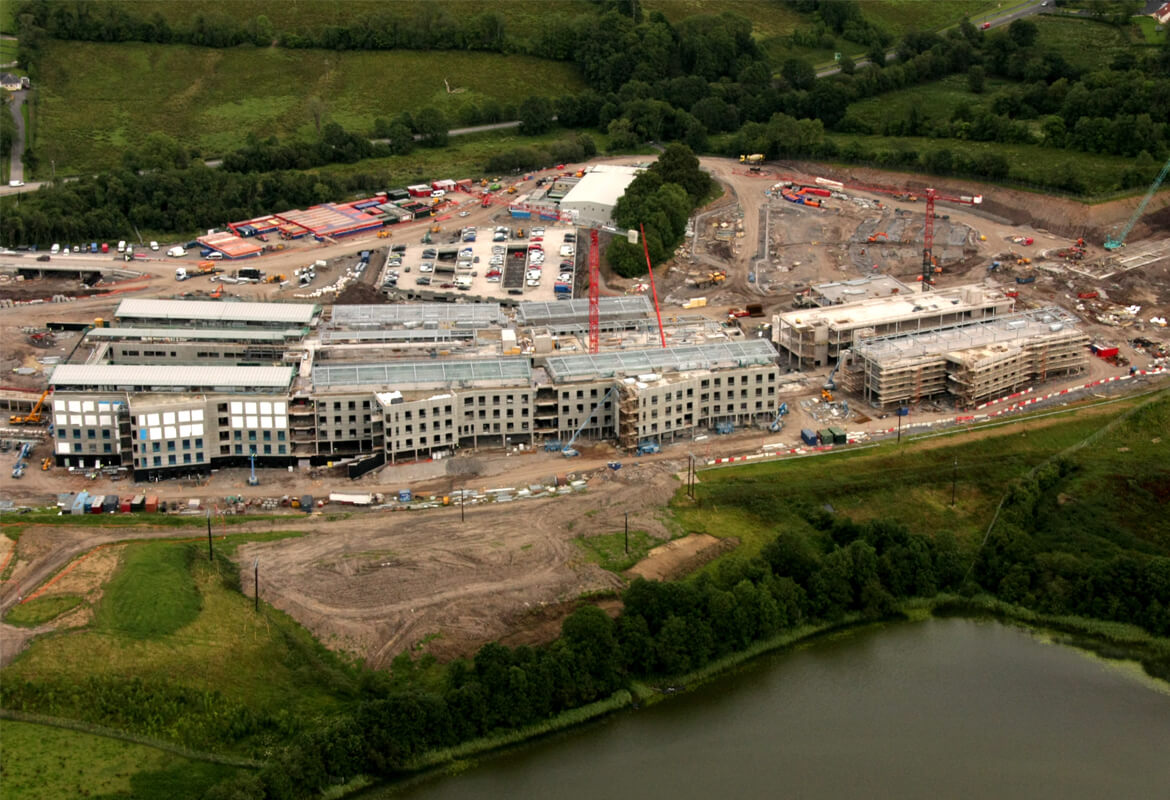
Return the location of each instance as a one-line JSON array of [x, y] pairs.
[[520, 214], [404, 496], [809, 437]]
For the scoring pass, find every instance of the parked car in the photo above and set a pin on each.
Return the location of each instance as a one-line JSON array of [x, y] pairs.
[[154, 245], [426, 266]]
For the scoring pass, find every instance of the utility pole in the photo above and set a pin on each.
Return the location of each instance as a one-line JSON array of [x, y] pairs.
[[627, 533], [462, 500], [256, 577], [954, 478], [210, 555]]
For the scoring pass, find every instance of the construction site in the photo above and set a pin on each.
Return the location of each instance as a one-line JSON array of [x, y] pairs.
[[794, 305]]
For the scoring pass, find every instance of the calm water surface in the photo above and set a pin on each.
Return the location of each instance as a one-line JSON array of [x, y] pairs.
[[938, 709]]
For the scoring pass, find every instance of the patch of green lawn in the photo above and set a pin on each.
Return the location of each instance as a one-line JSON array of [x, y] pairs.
[[935, 100], [153, 593], [39, 761], [40, 610], [1149, 28], [99, 99], [608, 550]]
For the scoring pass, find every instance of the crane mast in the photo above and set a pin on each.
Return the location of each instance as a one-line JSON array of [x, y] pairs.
[[594, 293]]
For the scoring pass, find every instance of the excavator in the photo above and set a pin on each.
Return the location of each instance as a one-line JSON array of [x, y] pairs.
[[874, 238], [33, 417]]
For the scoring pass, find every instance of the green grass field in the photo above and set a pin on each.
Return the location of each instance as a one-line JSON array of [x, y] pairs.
[[1030, 164], [521, 17], [263, 662], [912, 483], [40, 610], [902, 16], [1148, 27], [38, 761], [1083, 42], [153, 593], [935, 100], [98, 100], [8, 48], [608, 550]]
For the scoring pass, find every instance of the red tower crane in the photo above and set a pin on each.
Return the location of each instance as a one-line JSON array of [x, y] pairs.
[[594, 293], [928, 268], [653, 288]]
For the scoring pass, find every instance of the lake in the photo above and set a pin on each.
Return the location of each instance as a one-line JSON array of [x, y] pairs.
[[948, 708]]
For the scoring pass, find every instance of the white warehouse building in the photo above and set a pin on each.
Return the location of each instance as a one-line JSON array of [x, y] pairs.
[[591, 202]]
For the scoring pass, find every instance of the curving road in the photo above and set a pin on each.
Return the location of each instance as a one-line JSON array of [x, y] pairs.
[[16, 168]]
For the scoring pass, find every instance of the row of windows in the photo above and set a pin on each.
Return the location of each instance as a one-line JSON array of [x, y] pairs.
[[156, 447]]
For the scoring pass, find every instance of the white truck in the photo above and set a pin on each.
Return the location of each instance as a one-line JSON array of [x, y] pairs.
[[181, 274], [176, 252]]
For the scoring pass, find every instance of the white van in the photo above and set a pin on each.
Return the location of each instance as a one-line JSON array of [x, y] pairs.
[[55, 249], [122, 247], [154, 245]]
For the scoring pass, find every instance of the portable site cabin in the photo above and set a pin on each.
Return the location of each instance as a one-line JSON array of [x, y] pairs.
[[826, 435], [125, 504], [138, 502], [151, 503], [79, 503], [110, 504], [94, 506]]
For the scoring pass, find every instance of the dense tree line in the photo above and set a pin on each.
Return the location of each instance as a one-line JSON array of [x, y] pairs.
[[106, 206], [661, 200], [580, 148]]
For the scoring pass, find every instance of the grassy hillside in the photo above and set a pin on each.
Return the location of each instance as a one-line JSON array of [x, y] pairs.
[[175, 651], [902, 16], [38, 761], [1117, 494], [99, 99], [1030, 164]]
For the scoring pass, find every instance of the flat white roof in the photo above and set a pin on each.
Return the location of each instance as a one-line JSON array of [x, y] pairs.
[[166, 376], [879, 310], [600, 188], [216, 311]]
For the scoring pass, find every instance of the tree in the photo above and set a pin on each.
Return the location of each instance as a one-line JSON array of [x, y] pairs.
[[621, 136], [431, 125], [535, 115], [975, 77], [798, 73], [1023, 32]]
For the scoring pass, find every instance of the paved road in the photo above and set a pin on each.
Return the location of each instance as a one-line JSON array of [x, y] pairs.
[[16, 169]]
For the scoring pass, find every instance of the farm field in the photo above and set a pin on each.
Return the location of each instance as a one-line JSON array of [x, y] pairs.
[[40, 761], [1029, 163], [212, 100], [1083, 42], [1112, 487], [521, 17], [902, 16]]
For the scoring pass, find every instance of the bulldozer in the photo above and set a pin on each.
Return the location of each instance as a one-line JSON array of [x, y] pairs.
[[275, 279], [383, 234], [874, 238]]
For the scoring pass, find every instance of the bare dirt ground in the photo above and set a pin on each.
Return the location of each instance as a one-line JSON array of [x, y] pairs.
[[680, 557], [381, 583]]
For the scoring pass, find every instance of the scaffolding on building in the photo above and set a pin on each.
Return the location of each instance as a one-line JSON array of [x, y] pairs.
[[974, 361]]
